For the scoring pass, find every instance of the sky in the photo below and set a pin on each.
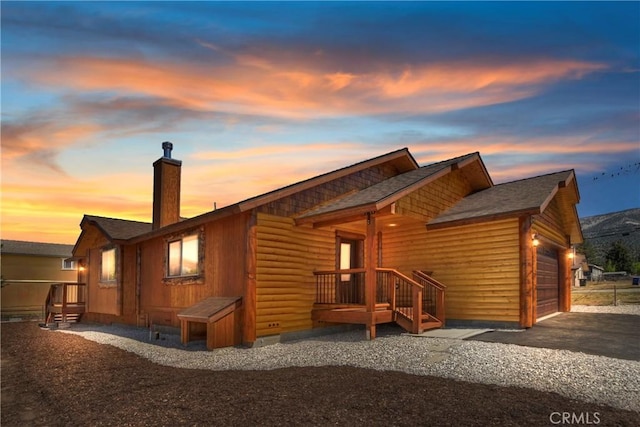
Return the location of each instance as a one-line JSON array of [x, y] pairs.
[[256, 96]]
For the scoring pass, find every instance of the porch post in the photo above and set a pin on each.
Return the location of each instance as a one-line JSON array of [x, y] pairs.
[[370, 275], [527, 268]]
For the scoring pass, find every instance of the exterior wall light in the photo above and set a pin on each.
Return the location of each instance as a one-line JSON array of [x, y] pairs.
[[535, 241]]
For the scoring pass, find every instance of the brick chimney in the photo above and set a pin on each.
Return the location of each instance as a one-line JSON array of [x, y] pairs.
[[166, 189]]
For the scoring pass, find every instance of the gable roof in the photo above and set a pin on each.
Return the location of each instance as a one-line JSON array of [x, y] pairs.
[[401, 159], [117, 229], [20, 247], [388, 191], [523, 197]]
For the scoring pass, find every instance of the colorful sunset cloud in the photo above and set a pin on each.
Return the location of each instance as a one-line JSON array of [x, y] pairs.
[[256, 96]]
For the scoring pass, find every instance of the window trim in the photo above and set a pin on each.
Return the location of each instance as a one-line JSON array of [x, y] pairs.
[[187, 279], [74, 265], [116, 262]]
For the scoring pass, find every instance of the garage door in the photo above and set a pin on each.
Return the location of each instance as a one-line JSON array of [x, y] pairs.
[[547, 289]]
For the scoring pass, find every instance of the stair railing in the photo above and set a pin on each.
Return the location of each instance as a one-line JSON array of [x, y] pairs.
[[65, 298], [433, 296], [406, 298]]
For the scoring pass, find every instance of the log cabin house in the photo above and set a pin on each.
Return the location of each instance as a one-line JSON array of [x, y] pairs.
[[380, 241]]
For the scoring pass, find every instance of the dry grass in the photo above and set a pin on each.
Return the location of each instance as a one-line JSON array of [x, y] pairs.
[[580, 297]]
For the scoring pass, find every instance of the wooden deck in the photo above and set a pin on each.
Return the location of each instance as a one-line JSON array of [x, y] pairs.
[[352, 314], [65, 303], [416, 304]]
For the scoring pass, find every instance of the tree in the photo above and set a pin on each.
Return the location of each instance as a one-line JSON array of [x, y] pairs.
[[588, 250], [619, 257]]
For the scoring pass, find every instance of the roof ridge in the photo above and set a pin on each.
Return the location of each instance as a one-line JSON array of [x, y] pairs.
[[451, 159], [535, 177], [115, 219], [39, 243]]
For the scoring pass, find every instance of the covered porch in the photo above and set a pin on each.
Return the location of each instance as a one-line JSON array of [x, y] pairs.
[[360, 290]]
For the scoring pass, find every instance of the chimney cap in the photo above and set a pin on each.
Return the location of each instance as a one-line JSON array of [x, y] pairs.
[[167, 147]]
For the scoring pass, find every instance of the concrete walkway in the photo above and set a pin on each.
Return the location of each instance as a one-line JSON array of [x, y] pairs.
[[603, 334]]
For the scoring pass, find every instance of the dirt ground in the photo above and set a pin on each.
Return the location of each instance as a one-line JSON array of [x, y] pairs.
[[55, 379]]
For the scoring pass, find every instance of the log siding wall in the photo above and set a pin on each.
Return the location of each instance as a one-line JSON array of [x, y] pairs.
[[550, 224], [430, 200], [479, 264], [287, 255]]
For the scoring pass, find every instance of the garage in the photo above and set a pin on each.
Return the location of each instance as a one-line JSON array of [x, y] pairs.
[[548, 295]]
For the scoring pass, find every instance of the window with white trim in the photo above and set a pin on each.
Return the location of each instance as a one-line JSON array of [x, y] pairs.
[[183, 256], [108, 265], [68, 264]]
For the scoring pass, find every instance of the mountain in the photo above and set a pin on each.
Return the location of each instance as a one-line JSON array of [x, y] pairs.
[[601, 231]]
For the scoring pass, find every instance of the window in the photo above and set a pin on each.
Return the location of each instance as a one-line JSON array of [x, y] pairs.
[[108, 266], [68, 264], [183, 256]]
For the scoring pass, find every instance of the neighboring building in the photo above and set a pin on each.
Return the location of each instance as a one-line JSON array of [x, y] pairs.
[[595, 273], [367, 244], [28, 271], [579, 267]]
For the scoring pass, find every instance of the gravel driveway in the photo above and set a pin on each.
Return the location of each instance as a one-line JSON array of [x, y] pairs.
[[586, 377]]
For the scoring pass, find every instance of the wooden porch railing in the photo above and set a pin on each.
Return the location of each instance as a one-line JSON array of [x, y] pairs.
[[417, 304], [433, 297], [64, 299], [340, 286]]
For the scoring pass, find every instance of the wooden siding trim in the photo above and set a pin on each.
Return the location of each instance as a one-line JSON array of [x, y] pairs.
[[250, 295], [527, 267]]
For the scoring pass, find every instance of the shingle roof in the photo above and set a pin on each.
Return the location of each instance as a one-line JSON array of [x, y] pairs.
[[119, 229], [385, 189], [526, 195], [36, 248]]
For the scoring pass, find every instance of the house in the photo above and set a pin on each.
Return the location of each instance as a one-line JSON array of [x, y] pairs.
[[28, 271], [380, 241], [579, 267], [595, 273]]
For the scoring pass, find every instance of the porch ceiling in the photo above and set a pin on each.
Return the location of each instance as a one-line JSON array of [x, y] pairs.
[[385, 221]]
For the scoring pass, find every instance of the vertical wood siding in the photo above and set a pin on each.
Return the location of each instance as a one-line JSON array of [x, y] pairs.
[[285, 285], [100, 299], [224, 271]]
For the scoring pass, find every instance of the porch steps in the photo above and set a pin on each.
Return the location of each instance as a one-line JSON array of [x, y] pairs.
[[404, 318], [57, 319]]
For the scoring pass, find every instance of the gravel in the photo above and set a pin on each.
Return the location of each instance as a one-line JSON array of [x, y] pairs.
[[580, 376]]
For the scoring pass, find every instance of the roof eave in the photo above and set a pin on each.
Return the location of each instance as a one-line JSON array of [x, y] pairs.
[[329, 176], [483, 218], [381, 203], [187, 223]]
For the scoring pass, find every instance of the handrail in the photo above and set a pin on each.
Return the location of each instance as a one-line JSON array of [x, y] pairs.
[[429, 279], [434, 301], [344, 271], [400, 275], [407, 299]]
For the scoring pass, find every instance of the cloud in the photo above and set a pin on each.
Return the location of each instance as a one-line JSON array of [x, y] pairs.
[[268, 89], [41, 140]]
